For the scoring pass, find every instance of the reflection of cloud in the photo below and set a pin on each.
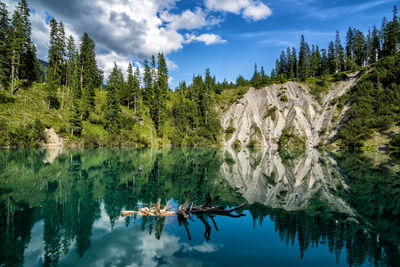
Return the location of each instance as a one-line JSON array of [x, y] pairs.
[[34, 251], [203, 248], [129, 246]]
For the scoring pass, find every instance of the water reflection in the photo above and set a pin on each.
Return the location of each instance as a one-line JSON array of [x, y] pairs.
[[71, 201]]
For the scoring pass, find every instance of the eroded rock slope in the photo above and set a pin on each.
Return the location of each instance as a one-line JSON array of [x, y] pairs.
[[261, 116]]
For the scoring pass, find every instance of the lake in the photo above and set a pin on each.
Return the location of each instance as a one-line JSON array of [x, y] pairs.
[[62, 207]]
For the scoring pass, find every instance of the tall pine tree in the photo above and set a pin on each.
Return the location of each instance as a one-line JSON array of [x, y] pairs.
[[5, 31], [88, 74], [112, 110]]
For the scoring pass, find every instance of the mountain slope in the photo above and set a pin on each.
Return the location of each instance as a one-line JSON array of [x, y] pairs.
[[285, 114]]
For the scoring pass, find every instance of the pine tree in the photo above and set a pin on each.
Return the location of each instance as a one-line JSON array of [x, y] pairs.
[[70, 64], [54, 71], [391, 35], [160, 92], [331, 58], [147, 83], [136, 90], [349, 43], [316, 62], [376, 46], [263, 77], [76, 122], [339, 54], [293, 67], [324, 69], [17, 46], [255, 80], [28, 57], [303, 59], [112, 110], [130, 87], [5, 31], [359, 47], [88, 74]]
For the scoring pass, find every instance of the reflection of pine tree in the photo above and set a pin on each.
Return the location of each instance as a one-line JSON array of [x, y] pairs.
[[15, 232], [114, 197], [52, 227], [159, 226]]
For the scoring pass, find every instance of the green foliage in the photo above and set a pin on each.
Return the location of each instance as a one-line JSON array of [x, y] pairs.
[[112, 110], [374, 101], [28, 135], [271, 112], [229, 131], [88, 74], [237, 145], [291, 141]]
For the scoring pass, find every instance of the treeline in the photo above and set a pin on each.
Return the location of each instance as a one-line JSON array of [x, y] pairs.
[[193, 113], [18, 60], [359, 51]]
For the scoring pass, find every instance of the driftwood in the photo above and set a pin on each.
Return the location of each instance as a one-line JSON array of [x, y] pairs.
[[207, 207], [154, 211], [206, 211], [186, 209]]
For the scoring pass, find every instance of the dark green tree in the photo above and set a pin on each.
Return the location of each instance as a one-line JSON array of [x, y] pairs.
[[391, 35], [76, 121], [331, 58], [5, 32], [303, 59], [112, 110], [339, 54], [147, 83], [255, 80], [160, 89], [88, 74], [70, 64], [376, 46]]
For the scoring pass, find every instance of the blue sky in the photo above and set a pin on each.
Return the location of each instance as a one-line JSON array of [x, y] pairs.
[[227, 36]]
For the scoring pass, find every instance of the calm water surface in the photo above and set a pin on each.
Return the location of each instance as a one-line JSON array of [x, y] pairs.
[[305, 209]]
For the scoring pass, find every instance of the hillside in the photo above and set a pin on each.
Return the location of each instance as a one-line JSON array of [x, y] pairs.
[[286, 115], [319, 112], [25, 116]]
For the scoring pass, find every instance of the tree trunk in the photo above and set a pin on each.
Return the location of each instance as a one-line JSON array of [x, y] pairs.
[[13, 72]]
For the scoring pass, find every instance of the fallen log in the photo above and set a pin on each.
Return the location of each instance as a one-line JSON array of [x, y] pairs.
[[207, 207], [154, 211], [186, 209]]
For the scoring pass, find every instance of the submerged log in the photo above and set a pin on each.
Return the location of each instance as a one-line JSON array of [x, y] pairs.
[[207, 207]]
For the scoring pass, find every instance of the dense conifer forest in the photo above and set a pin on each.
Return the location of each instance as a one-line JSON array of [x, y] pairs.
[[69, 92]]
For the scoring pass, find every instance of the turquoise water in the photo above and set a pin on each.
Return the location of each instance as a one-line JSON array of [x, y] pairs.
[[305, 209]]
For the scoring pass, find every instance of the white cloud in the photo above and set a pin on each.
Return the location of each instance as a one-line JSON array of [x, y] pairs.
[[207, 38], [189, 20], [107, 62], [249, 9], [171, 65], [123, 30]]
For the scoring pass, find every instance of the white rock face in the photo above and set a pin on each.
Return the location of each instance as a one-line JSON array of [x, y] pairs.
[[301, 112], [262, 177], [52, 139]]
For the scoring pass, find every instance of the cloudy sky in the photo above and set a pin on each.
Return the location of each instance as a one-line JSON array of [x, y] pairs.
[[227, 36]]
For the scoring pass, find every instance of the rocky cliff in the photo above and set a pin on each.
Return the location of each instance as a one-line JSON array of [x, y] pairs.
[[286, 112]]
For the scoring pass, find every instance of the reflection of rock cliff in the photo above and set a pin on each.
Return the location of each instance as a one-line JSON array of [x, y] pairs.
[[309, 182]]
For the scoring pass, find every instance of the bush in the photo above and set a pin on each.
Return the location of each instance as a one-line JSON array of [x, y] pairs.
[[26, 135], [271, 112]]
